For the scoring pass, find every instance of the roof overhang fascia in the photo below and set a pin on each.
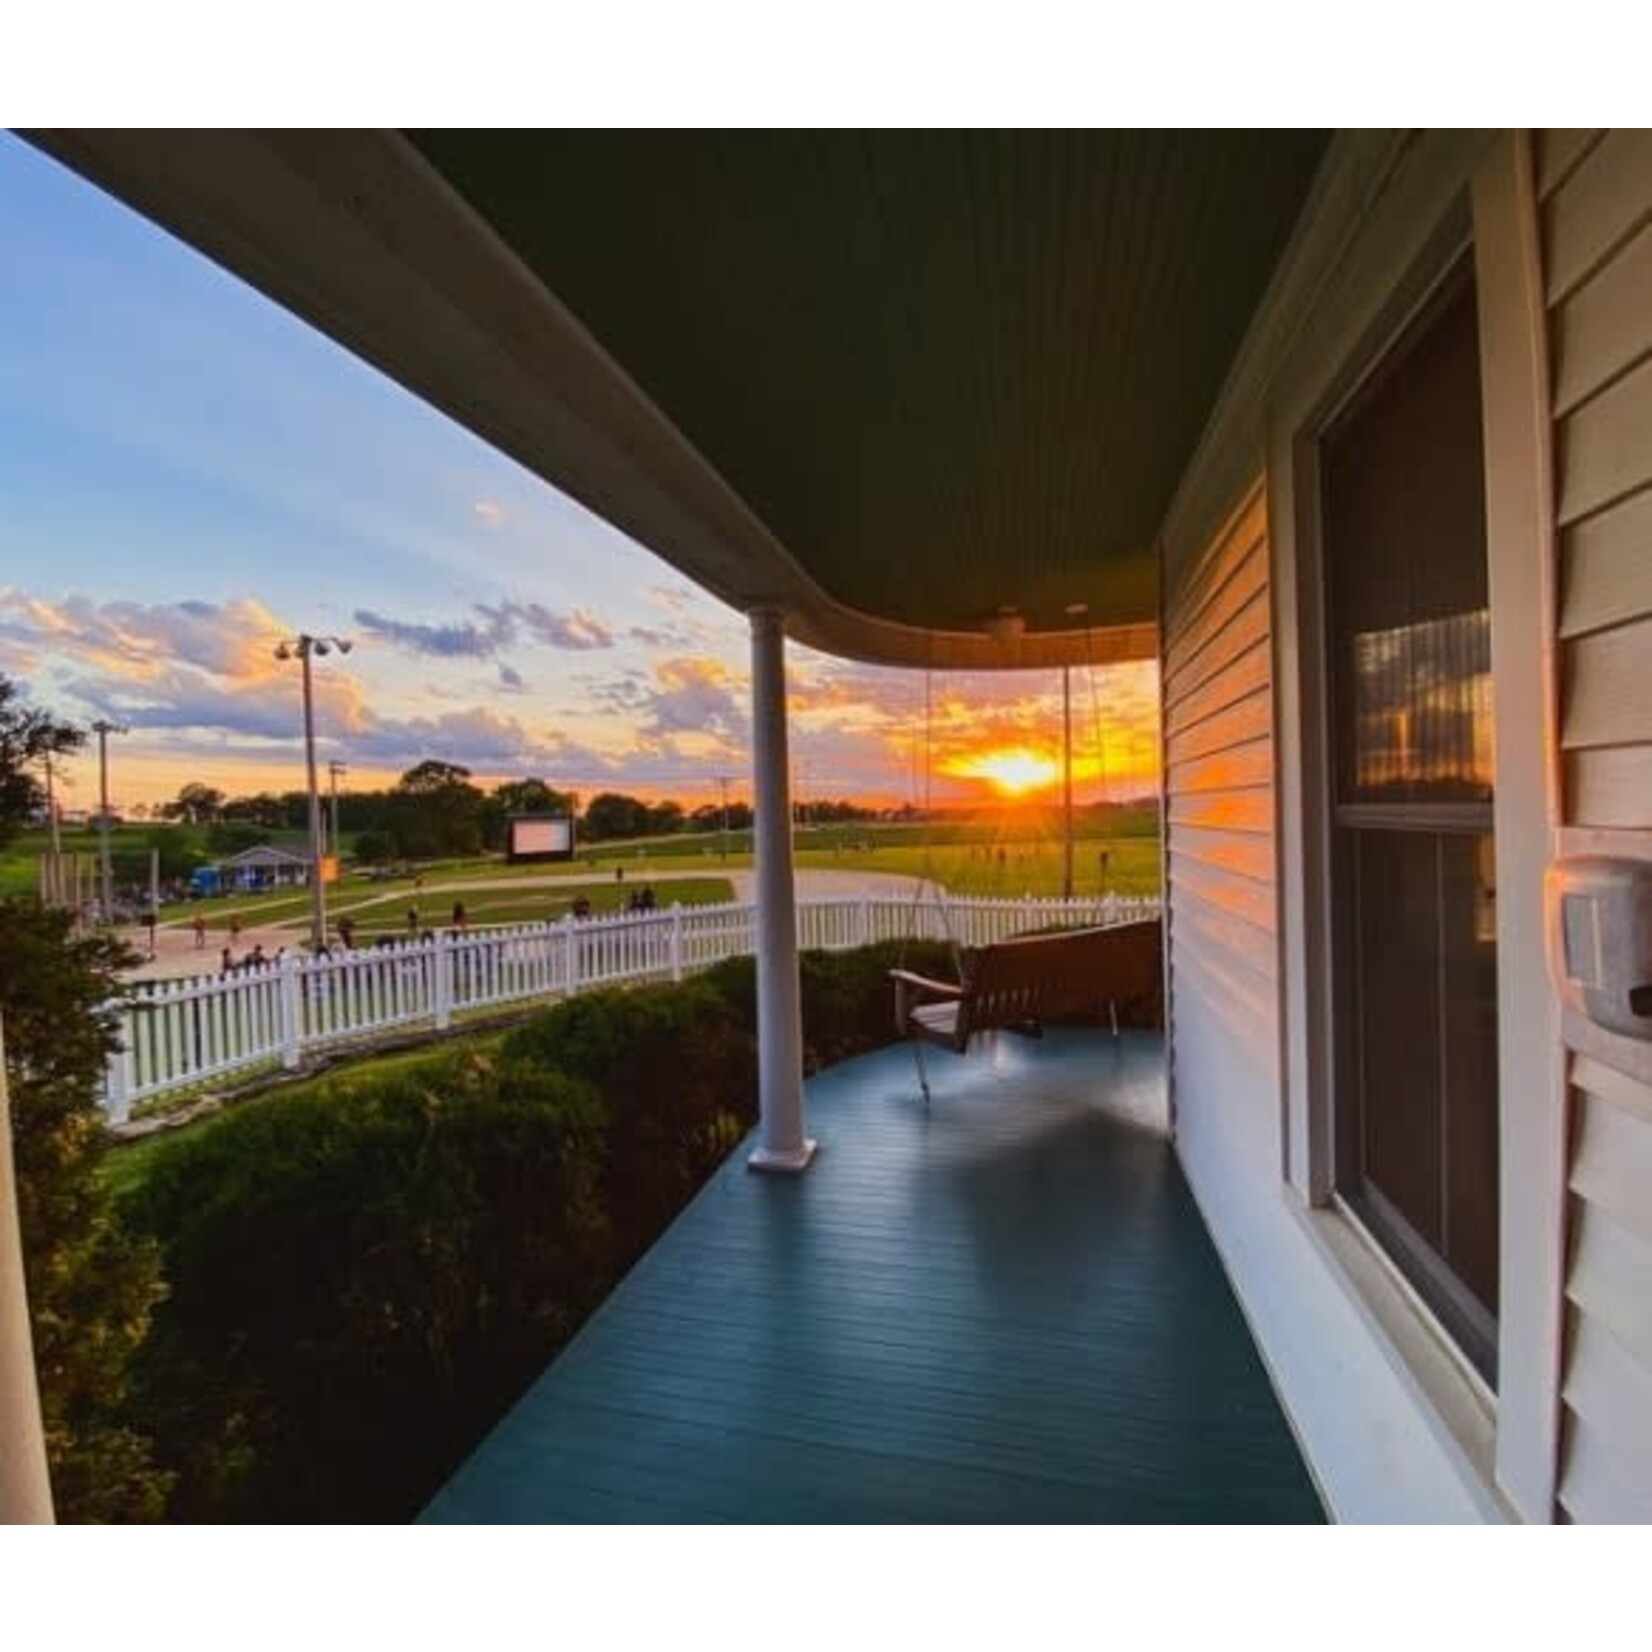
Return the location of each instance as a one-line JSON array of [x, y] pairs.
[[359, 236]]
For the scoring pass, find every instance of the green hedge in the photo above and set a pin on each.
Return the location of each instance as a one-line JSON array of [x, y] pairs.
[[677, 1069], [362, 1277], [848, 1003]]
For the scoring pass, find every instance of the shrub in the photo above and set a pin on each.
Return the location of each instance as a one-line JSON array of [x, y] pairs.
[[364, 1274], [91, 1285], [677, 1070], [848, 1003]]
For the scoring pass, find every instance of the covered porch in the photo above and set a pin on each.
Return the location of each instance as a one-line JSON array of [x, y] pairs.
[[1004, 1308]]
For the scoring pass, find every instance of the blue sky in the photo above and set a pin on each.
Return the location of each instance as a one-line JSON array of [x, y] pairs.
[[187, 473]]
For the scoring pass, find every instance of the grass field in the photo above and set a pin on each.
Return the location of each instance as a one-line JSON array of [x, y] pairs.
[[487, 907], [1017, 854]]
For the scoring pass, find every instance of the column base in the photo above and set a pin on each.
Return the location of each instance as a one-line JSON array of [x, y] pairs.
[[770, 1159]]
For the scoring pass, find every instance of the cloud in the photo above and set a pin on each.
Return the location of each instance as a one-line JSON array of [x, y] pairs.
[[689, 708], [446, 642], [495, 628], [480, 739], [510, 680], [674, 597], [489, 512], [578, 630], [695, 696], [138, 640]]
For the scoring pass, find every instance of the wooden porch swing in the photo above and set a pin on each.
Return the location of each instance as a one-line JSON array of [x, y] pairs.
[[1016, 985], [1019, 984]]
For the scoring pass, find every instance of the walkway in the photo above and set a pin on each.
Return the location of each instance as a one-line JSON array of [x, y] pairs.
[[1004, 1309]]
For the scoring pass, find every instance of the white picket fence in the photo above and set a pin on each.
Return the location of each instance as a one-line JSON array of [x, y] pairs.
[[175, 1035]]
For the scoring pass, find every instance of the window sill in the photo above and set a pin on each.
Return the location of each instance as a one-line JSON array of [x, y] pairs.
[[1453, 1400]]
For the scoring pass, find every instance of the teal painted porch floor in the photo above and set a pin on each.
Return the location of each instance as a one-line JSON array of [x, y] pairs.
[[1004, 1309]]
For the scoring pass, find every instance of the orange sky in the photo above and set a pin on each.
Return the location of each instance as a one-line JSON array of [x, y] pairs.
[[857, 732]]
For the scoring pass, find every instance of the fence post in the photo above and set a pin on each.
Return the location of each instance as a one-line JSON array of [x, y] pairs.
[[118, 1075], [863, 922], [442, 986], [676, 940], [289, 1011], [570, 959]]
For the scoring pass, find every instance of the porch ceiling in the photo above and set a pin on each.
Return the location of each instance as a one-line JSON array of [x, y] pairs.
[[950, 372], [895, 382]]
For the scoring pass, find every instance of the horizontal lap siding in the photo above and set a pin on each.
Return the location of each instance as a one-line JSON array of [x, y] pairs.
[[1597, 218], [1220, 826]]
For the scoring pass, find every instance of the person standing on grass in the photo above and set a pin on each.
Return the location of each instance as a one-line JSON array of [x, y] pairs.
[[459, 916], [413, 921], [200, 933], [347, 933]]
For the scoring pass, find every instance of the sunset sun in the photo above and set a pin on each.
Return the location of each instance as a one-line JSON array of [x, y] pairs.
[[1014, 772]]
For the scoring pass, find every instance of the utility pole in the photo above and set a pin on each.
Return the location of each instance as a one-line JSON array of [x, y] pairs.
[[103, 728], [302, 648], [334, 770], [51, 811], [722, 782]]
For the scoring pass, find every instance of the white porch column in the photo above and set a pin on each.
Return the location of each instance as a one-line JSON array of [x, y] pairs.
[[25, 1490], [781, 1142]]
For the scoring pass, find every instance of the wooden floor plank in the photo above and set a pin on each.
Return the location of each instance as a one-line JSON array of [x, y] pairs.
[[1001, 1308]]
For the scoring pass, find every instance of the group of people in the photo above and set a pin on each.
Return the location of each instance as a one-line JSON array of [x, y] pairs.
[[641, 899], [461, 920]]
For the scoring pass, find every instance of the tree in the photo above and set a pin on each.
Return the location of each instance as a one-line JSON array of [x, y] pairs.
[[195, 805], [435, 811], [91, 1284], [178, 857], [431, 776], [374, 848], [230, 837], [666, 818], [613, 814], [27, 735], [531, 797], [713, 817]]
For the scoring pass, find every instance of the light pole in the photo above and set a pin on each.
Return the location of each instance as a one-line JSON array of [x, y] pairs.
[[722, 783], [334, 770], [103, 728], [51, 811], [302, 648]]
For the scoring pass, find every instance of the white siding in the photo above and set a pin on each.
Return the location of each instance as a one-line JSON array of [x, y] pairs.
[[1219, 835], [1390, 1428], [1597, 218], [1352, 1409]]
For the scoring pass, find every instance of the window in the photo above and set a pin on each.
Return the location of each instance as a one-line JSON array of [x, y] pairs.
[[1414, 897]]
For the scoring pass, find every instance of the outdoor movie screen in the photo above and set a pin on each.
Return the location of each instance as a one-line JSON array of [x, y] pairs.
[[541, 837]]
